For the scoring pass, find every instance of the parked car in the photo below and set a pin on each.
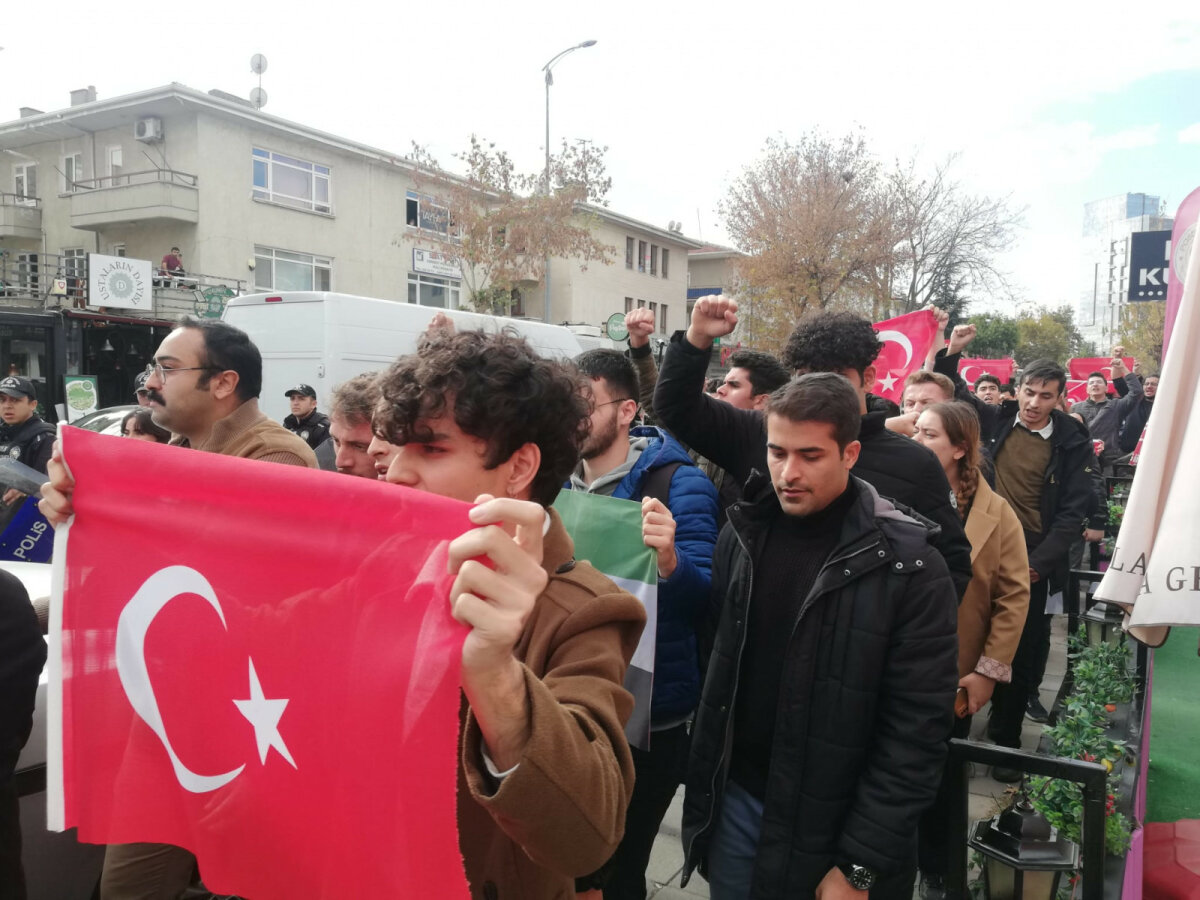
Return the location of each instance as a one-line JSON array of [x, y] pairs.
[[105, 421]]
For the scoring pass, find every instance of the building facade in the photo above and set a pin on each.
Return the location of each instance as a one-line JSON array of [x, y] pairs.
[[259, 203], [1108, 225]]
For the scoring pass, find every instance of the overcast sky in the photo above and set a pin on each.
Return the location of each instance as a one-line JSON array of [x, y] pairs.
[[1052, 103]]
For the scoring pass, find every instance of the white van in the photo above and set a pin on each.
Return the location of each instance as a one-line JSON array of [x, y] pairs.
[[322, 338]]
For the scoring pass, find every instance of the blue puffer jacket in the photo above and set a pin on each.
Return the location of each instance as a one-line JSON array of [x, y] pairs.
[[683, 597]]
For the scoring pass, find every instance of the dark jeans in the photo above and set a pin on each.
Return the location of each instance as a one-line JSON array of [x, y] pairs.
[[933, 834], [12, 877], [659, 773], [1028, 666]]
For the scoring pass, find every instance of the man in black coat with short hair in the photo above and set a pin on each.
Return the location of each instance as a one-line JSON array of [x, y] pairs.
[[899, 468], [821, 732]]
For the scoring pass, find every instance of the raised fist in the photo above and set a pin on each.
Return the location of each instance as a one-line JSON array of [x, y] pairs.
[[713, 316]]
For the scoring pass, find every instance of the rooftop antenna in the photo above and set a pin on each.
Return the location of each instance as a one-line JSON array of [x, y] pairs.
[[258, 65]]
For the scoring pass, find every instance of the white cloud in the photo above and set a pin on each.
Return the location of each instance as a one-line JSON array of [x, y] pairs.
[[1190, 135]]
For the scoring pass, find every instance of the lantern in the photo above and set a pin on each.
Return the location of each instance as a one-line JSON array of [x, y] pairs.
[[1024, 857], [1103, 623]]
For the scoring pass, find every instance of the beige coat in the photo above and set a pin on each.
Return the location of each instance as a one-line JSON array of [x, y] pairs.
[[992, 612]]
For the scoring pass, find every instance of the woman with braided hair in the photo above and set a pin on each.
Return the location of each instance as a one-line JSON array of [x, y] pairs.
[[992, 613]]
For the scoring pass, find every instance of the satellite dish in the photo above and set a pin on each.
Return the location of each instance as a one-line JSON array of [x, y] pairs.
[[258, 97], [258, 64]]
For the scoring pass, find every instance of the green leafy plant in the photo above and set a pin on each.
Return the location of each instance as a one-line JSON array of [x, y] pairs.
[[1116, 514], [1101, 680]]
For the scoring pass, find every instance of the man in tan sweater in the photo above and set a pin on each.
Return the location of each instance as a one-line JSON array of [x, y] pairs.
[[203, 386]]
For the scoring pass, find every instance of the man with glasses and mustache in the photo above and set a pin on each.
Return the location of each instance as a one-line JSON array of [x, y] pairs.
[[203, 387]]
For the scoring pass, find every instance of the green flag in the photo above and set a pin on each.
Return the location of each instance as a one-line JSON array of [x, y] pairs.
[[608, 533]]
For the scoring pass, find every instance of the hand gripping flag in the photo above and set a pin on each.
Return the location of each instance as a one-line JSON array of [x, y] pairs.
[[906, 342], [608, 533], [1155, 568], [971, 368], [257, 662]]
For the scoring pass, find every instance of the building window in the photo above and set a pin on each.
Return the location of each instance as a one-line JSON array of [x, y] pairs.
[[628, 304], [653, 311], [422, 212], [117, 250], [283, 270], [654, 259], [425, 290], [662, 322], [666, 255], [25, 183], [629, 253], [116, 166], [641, 304], [690, 304], [74, 269], [642, 251], [290, 182], [72, 172]]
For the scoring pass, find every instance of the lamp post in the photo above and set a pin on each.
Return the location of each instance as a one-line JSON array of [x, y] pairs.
[[546, 177], [1024, 856]]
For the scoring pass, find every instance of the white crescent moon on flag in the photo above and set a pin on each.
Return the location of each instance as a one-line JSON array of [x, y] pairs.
[[156, 592], [965, 373], [900, 338]]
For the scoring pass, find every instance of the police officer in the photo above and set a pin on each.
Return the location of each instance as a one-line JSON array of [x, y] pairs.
[[305, 421], [140, 393], [23, 435]]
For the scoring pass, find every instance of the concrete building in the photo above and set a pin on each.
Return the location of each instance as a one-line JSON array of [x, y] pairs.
[[1108, 225], [255, 202]]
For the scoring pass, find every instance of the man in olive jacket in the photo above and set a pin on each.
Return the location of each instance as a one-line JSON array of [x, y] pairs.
[[821, 732]]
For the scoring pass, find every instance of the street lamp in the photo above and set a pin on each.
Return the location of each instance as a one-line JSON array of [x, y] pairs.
[[1024, 856], [546, 185]]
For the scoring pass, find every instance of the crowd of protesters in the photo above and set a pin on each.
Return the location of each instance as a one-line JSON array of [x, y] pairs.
[[842, 585]]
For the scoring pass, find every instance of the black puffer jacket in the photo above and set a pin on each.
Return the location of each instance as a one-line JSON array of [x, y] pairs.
[[31, 442], [314, 429], [865, 703], [900, 469]]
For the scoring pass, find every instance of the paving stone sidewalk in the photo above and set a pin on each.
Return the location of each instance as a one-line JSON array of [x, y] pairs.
[[988, 796]]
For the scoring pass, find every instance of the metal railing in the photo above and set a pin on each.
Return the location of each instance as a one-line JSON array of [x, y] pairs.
[[7, 199], [144, 176], [53, 279]]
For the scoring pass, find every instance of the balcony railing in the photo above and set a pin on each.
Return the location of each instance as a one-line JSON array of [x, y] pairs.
[[131, 197], [20, 216], [51, 280]]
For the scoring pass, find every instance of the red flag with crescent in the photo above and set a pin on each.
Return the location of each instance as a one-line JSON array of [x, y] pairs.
[[970, 368], [1082, 366], [906, 342], [257, 662]]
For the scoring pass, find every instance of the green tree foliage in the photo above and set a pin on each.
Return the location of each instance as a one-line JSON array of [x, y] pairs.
[[1142, 326], [996, 336], [1048, 334]]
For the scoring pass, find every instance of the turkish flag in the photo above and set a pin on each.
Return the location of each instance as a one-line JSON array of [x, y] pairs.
[[906, 342], [971, 368], [1083, 366], [257, 662], [1076, 391]]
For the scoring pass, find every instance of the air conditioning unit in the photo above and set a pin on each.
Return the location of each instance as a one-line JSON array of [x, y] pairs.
[[148, 130]]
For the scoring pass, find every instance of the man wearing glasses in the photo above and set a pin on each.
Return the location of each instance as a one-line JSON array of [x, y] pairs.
[[203, 386]]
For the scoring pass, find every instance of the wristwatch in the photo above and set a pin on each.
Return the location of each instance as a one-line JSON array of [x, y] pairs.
[[860, 877]]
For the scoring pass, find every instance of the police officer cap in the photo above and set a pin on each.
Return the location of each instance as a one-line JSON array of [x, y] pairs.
[[16, 386], [304, 389]]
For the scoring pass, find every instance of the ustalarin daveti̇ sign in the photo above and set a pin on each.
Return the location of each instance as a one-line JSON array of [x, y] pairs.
[[119, 281]]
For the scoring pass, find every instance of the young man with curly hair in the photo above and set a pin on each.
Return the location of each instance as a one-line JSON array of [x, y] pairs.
[[545, 774], [840, 342]]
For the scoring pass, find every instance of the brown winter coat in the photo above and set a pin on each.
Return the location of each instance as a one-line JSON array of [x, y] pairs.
[[561, 813], [992, 612], [248, 433]]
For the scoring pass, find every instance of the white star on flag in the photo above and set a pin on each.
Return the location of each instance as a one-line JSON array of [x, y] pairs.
[[888, 382], [264, 715]]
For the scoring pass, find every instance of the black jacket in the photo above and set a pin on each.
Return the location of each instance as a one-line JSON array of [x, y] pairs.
[[1072, 489], [22, 655], [900, 469], [314, 429], [1135, 421], [864, 708], [30, 442]]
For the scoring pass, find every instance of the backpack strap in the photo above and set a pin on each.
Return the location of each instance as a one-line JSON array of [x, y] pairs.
[[658, 483]]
